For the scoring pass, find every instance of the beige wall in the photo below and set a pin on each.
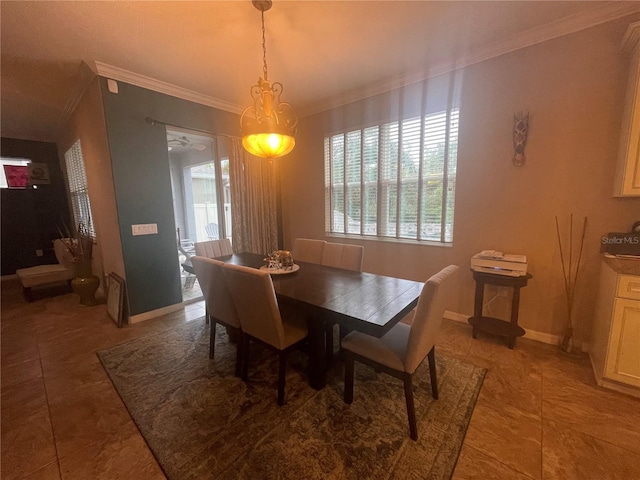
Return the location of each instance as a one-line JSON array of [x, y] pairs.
[[573, 88], [87, 123]]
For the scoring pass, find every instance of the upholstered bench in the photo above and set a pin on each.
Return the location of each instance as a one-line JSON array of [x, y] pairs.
[[46, 274]]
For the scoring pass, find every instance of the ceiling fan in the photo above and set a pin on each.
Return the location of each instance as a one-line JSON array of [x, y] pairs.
[[184, 142]]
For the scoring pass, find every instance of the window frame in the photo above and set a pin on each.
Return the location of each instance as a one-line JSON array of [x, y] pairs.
[[391, 185], [78, 188]]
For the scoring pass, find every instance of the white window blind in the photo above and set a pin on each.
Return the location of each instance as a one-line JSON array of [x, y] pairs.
[[77, 178], [395, 180]]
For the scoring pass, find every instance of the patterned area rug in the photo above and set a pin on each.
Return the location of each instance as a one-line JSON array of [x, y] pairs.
[[202, 422]]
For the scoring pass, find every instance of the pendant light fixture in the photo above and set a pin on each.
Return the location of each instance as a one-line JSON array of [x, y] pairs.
[[268, 125]]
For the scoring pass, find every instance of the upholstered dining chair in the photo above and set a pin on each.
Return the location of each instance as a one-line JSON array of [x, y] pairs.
[[342, 255], [403, 349], [308, 250], [260, 318], [218, 302], [214, 248]]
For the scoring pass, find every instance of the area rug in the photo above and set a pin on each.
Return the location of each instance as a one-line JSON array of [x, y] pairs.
[[200, 421]]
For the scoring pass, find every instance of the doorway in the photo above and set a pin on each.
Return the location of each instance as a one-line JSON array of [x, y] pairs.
[[199, 166]]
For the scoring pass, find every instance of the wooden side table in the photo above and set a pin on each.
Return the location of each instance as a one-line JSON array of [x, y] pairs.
[[496, 326]]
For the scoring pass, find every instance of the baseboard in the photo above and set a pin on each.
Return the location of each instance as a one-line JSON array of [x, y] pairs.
[[618, 387], [596, 371], [530, 334], [543, 337], [455, 316], [141, 317]]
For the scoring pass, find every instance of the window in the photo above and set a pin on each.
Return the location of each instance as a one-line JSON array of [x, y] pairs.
[[395, 180], [77, 178]]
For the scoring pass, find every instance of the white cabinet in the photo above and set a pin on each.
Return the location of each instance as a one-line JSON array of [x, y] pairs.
[[615, 339], [628, 166], [623, 360]]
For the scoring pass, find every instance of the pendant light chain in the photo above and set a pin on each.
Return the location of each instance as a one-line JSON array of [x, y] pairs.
[[264, 49], [268, 125]]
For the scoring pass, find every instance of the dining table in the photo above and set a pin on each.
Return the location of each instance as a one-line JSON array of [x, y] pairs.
[[361, 301]]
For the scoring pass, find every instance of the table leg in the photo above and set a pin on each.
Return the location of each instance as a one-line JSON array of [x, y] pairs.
[[317, 352], [329, 344], [515, 306], [477, 306]]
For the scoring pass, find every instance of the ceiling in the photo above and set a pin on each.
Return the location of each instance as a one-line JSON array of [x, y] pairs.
[[325, 53]]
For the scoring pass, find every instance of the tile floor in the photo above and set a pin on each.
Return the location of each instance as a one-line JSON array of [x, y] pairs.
[[539, 414]]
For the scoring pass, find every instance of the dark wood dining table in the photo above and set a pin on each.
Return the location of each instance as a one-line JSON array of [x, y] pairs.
[[360, 301]]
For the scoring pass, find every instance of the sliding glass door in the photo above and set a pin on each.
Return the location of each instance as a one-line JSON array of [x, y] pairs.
[[201, 197]]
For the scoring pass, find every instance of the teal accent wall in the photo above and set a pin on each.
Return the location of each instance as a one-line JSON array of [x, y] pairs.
[[142, 184]]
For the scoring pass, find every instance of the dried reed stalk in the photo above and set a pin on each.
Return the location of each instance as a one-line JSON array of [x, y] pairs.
[[570, 276]]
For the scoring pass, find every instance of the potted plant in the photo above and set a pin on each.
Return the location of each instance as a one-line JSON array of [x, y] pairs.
[[570, 270], [79, 250]]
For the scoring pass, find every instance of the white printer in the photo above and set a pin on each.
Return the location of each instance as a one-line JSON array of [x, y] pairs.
[[490, 261]]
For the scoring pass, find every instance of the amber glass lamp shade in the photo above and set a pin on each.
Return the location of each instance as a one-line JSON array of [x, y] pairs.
[[268, 145], [268, 125]]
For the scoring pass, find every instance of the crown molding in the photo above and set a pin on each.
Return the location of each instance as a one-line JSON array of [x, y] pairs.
[[558, 28], [122, 75], [631, 38], [595, 16], [83, 80]]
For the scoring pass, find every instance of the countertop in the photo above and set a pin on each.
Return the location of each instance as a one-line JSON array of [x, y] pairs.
[[625, 265]]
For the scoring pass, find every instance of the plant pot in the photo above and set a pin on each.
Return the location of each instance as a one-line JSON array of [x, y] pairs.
[[84, 283], [567, 341]]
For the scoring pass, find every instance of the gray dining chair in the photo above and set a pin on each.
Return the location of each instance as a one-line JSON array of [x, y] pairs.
[[343, 255], [218, 302], [214, 248], [260, 318], [403, 349], [308, 250]]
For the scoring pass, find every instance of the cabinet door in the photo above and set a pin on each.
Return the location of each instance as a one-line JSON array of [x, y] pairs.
[[623, 359], [631, 175], [628, 166]]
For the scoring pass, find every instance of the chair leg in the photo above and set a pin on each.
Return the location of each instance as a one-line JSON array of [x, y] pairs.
[[233, 333], [26, 292], [212, 338], [244, 339], [344, 331], [411, 410], [206, 315], [238, 358], [282, 370], [348, 378], [432, 372]]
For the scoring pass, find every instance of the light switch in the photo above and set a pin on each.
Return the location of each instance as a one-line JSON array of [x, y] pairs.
[[144, 229]]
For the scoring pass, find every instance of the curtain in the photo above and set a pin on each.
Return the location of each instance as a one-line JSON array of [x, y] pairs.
[[253, 201]]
